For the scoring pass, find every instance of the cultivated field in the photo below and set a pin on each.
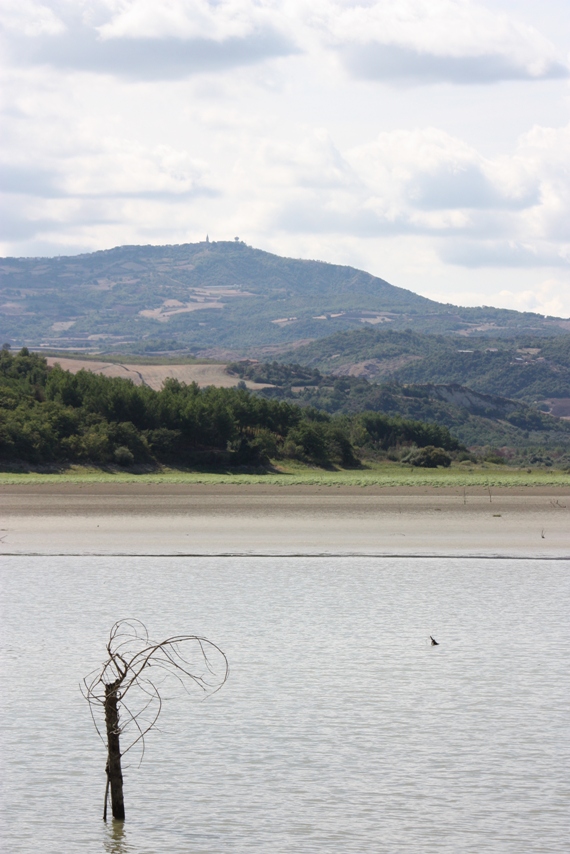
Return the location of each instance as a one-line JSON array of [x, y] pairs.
[[154, 375]]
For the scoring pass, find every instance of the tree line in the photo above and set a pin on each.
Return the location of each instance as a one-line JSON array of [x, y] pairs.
[[48, 415]]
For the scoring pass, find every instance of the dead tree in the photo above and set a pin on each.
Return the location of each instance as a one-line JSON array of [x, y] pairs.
[[125, 700]]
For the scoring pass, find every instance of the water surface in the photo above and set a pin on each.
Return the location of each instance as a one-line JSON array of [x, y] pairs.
[[340, 729]]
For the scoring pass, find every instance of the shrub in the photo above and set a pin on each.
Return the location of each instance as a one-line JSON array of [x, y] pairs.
[[123, 456], [310, 443], [162, 441], [265, 443], [339, 446], [466, 457], [428, 457]]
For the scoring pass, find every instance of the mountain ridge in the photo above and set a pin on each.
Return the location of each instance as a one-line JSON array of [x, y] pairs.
[[199, 297]]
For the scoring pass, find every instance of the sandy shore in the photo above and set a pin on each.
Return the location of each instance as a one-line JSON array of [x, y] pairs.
[[66, 518]]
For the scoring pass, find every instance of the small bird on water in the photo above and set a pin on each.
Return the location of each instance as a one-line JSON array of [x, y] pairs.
[[433, 641]]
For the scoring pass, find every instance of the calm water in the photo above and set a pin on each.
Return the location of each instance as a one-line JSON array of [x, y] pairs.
[[340, 729]]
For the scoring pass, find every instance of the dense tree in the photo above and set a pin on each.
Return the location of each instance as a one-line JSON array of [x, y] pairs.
[[51, 415], [48, 415]]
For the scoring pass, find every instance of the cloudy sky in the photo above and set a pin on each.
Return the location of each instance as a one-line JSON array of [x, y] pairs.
[[427, 141]]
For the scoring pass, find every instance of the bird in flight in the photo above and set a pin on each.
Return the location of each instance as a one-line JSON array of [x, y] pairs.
[[433, 641]]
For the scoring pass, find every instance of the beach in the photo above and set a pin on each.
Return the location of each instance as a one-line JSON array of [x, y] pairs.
[[257, 519]]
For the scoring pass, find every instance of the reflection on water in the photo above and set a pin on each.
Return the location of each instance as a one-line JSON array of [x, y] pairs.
[[115, 838], [341, 729]]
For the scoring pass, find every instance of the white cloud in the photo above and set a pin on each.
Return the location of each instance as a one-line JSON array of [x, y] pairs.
[[124, 168], [150, 41], [544, 153], [91, 189], [315, 162], [28, 18], [429, 41], [550, 297], [427, 170], [444, 27], [505, 253], [186, 19], [394, 41]]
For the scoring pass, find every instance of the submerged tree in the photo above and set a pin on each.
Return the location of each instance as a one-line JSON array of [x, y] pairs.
[[125, 699]]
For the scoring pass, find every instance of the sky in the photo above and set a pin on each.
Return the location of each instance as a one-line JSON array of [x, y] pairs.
[[426, 141]]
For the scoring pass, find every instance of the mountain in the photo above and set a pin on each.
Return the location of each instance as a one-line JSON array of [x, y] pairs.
[[222, 298]]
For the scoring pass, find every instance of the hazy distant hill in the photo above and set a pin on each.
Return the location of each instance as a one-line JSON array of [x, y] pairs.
[[526, 366], [209, 297]]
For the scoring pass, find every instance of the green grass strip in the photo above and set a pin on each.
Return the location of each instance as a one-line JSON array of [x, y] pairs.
[[386, 475]]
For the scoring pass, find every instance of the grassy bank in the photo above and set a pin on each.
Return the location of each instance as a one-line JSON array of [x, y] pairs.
[[375, 474]]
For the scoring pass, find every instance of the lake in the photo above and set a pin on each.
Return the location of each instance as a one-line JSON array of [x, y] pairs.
[[340, 729]]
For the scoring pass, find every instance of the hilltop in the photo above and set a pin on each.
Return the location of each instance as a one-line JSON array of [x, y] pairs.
[[220, 298]]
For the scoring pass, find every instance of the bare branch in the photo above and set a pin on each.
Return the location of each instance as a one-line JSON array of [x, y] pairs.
[[191, 660]]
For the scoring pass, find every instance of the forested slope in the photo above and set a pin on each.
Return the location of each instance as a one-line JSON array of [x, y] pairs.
[[48, 415], [525, 367], [481, 421]]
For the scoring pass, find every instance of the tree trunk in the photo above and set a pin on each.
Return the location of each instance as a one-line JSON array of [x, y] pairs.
[[113, 769]]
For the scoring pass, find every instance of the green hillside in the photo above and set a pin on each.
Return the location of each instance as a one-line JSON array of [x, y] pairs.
[[524, 367], [49, 416], [484, 422], [215, 299]]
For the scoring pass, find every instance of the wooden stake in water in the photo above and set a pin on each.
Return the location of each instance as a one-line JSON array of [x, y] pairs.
[[113, 768]]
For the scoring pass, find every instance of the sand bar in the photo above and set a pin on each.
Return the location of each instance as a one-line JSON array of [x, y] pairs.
[[171, 519]]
